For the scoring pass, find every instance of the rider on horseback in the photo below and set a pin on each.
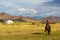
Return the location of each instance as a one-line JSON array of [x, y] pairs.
[[48, 27]]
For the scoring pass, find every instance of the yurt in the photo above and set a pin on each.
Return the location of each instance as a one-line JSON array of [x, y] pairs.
[[9, 22]]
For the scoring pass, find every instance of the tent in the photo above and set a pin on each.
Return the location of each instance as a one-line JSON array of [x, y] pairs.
[[9, 22]]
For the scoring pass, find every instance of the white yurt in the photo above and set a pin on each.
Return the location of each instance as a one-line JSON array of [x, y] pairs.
[[9, 22]]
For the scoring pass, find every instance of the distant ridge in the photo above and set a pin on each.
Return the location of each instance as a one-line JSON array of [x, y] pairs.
[[51, 18], [5, 16]]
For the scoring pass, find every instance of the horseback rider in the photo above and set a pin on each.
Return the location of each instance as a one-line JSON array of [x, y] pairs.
[[48, 27]]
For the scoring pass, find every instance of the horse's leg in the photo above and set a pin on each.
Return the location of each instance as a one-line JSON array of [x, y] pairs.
[[45, 30], [48, 32], [49, 29]]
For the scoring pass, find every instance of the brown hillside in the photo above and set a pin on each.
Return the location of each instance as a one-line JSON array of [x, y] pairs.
[[5, 16], [52, 19]]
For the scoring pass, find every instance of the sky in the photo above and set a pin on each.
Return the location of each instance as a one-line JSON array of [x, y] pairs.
[[31, 8]]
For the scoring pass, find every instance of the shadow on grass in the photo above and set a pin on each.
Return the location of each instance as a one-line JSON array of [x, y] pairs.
[[37, 33]]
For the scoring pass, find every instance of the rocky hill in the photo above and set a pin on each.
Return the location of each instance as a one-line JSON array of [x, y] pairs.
[[5, 16], [51, 18]]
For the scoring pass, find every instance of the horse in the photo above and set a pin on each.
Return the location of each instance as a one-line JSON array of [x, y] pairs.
[[48, 29]]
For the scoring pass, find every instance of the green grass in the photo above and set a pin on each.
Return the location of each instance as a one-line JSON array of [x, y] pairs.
[[28, 31], [31, 36]]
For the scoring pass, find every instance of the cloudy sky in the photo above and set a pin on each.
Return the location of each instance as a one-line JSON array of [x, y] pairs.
[[42, 8]]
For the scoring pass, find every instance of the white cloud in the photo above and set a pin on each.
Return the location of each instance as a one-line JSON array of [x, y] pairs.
[[6, 4], [33, 11], [22, 10], [26, 11], [42, 11], [48, 11], [30, 2], [34, 1], [39, 11]]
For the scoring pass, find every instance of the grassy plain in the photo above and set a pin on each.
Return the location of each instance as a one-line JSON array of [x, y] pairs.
[[28, 31]]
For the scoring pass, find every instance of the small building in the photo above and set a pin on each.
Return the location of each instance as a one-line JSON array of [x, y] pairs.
[[9, 22]]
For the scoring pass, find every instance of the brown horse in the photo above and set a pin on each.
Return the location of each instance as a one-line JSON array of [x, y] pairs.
[[48, 29]]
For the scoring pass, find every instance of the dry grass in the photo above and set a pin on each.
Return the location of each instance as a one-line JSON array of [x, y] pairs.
[[28, 31]]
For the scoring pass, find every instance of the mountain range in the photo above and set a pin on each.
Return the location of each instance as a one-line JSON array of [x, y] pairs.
[[6, 16], [51, 18]]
